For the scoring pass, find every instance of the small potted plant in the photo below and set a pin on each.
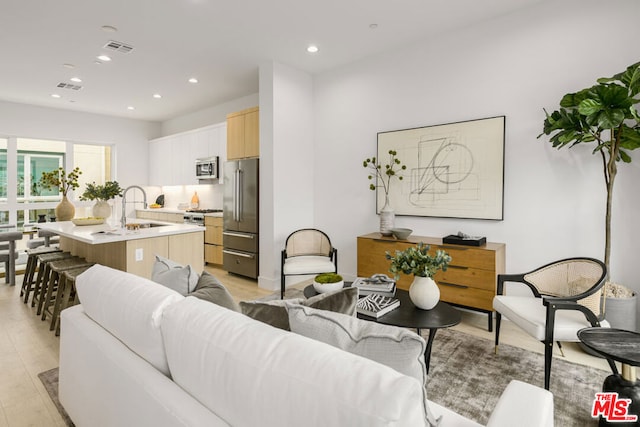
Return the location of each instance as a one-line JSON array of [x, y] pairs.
[[64, 182], [416, 260], [102, 194], [327, 282]]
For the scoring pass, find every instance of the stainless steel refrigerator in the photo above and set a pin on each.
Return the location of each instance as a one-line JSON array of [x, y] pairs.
[[240, 230]]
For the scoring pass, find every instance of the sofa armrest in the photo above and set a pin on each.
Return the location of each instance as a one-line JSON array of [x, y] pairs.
[[524, 405]]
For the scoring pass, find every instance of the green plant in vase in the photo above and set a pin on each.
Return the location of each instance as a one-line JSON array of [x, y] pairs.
[[383, 173], [102, 194], [64, 182], [416, 260]]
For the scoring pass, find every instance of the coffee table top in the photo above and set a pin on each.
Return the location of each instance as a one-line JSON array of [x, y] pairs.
[[617, 344], [408, 315]]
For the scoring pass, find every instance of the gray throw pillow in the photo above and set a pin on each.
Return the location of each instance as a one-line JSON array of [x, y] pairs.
[[181, 279], [398, 348], [275, 313], [210, 289]]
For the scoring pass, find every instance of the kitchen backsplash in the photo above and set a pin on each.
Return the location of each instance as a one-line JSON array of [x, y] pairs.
[[210, 195]]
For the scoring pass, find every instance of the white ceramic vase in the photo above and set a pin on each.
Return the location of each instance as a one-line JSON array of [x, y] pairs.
[[387, 218], [424, 292], [101, 209]]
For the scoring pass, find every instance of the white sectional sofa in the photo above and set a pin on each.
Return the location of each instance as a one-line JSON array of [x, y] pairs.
[[136, 353]]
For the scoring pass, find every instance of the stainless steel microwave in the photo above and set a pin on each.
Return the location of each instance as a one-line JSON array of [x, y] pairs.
[[207, 168]]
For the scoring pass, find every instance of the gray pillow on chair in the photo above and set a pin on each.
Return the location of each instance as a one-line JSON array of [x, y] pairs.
[[275, 312]]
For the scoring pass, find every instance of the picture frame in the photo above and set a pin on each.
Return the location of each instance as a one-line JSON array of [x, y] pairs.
[[454, 170]]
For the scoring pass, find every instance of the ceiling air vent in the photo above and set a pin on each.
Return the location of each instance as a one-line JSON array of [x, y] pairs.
[[118, 46], [69, 86]]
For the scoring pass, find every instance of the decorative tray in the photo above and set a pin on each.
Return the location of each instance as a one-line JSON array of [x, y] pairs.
[[88, 221]]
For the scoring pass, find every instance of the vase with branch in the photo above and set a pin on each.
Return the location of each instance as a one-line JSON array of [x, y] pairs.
[[64, 182], [102, 194], [383, 175]]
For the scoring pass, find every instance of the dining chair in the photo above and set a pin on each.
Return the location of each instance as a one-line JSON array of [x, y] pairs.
[[8, 256]]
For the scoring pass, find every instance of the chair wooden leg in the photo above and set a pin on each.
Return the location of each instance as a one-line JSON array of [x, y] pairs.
[[498, 321], [548, 357], [282, 282], [560, 347]]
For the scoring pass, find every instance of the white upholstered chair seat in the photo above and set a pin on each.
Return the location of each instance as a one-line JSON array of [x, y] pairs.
[[308, 264], [529, 314]]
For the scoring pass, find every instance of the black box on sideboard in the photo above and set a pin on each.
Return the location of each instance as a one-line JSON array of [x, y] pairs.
[[452, 239]]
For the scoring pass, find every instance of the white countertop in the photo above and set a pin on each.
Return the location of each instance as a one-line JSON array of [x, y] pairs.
[[109, 233], [178, 211]]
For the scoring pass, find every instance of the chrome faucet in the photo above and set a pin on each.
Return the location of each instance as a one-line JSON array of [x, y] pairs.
[[123, 220]]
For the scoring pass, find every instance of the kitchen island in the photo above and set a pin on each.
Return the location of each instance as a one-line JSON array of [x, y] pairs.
[[132, 251]]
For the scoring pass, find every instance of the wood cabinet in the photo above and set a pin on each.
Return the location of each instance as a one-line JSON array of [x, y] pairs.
[[470, 280], [213, 240], [243, 134], [160, 216]]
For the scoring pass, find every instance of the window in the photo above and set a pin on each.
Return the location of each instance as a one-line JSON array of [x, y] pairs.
[[3, 171]]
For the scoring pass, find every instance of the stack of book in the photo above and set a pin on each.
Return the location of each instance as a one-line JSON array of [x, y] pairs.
[[376, 284], [376, 305]]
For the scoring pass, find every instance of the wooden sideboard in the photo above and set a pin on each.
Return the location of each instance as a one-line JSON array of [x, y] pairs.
[[470, 280]]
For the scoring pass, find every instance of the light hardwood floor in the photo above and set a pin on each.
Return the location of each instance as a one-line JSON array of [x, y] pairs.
[[27, 347]]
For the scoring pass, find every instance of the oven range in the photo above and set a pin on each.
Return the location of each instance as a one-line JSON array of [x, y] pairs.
[[196, 216]]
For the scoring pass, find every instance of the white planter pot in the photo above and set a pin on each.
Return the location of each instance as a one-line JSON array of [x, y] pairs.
[[424, 293], [101, 209], [621, 312], [387, 218]]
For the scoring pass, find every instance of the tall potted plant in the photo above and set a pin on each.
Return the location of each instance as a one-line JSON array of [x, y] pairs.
[[383, 178], [416, 260], [102, 194], [64, 182], [604, 114]]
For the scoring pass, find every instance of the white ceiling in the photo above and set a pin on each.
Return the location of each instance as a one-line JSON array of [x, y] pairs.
[[222, 43]]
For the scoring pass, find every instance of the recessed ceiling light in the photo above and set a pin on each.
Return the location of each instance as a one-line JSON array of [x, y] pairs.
[[76, 79], [131, 108], [312, 48], [109, 28], [193, 80], [104, 58], [373, 26], [157, 96], [70, 66], [55, 95]]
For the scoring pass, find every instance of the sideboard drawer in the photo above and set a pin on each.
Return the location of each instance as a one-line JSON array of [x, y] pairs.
[[468, 297], [470, 277]]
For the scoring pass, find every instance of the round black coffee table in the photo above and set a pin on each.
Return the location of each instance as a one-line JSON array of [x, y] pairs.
[[622, 346], [410, 316]]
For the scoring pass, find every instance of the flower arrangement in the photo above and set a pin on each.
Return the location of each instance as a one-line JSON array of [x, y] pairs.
[[417, 261], [105, 192], [58, 178], [384, 176]]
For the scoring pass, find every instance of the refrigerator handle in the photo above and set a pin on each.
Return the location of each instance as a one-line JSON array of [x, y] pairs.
[[236, 195], [240, 195]]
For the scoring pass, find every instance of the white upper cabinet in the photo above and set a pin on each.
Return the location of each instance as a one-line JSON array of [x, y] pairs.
[[172, 158]]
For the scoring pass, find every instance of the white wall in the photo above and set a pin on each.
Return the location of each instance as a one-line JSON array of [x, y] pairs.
[[208, 116], [286, 162], [554, 200], [129, 136]]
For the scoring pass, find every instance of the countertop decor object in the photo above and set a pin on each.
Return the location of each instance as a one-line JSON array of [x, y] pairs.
[[64, 182], [416, 260], [383, 180], [101, 194], [327, 282], [88, 221], [401, 233]]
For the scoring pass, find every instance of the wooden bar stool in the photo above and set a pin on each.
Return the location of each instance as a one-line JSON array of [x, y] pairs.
[[43, 273], [66, 296], [50, 287], [28, 280]]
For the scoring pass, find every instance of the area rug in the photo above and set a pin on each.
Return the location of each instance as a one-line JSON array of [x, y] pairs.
[[50, 381], [467, 377]]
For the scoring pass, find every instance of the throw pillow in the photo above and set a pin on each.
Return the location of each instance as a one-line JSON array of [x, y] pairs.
[[210, 289], [181, 279], [275, 313], [398, 348]]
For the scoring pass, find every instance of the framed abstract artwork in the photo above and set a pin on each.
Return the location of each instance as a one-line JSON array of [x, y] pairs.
[[454, 170]]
